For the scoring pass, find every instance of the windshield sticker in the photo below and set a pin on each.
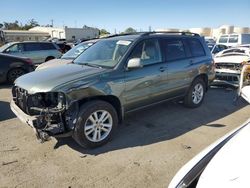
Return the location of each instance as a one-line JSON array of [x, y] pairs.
[[123, 42]]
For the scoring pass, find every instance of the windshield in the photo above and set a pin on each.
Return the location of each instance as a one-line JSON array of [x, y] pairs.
[[105, 53], [77, 50], [4, 47]]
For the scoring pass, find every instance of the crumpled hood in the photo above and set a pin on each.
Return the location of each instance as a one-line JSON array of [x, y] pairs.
[[231, 59], [54, 63], [49, 79], [230, 167]]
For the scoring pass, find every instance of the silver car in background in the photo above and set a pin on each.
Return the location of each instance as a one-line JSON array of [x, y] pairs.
[[38, 52], [69, 56]]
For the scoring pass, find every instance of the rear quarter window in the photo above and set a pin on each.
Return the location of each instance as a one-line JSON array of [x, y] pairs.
[[173, 49], [32, 47], [196, 48], [233, 39], [47, 46]]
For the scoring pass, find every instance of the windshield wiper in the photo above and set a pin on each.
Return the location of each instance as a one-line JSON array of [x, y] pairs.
[[91, 65]]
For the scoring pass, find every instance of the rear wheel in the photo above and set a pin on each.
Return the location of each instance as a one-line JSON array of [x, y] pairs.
[[196, 93], [96, 124], [13, 74]]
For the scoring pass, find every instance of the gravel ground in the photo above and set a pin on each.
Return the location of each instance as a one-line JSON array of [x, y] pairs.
[[149, 148]]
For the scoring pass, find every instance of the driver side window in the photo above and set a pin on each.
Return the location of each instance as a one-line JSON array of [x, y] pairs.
[[15, 48], [148, 51]]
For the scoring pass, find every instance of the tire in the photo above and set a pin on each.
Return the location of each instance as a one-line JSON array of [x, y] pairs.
[[49, 58], [88, 132], [13, 74], [195, 94]]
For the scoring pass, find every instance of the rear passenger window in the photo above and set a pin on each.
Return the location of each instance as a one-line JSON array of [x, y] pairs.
[[47, 46], [196, 48], [174, 50], [32, 47]]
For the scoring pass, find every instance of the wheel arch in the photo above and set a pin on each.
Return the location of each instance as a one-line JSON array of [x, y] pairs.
[[204, 77], [111, 99]]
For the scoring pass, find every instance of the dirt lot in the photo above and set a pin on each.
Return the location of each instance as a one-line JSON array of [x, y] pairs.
[[149, 148]]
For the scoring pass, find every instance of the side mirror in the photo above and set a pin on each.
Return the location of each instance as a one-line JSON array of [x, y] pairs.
[[134, 63]]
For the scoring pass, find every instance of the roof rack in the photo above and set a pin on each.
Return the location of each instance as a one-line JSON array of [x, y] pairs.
[[171, 32], [124, 34], [154, 32]]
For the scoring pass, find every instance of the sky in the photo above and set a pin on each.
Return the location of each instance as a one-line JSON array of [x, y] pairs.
[[117, 15]]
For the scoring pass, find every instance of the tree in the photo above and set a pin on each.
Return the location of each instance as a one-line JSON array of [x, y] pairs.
[[130, 30], [11, 25], [32, 23], [104, 32], [18, 26]]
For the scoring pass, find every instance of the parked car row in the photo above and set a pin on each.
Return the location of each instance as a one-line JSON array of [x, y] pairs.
[[40, 54]]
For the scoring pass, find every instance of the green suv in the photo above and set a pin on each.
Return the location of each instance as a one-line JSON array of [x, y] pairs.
[[88, 98]]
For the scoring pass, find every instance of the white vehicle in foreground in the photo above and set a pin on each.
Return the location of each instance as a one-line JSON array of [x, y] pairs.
[[228, 65], [226, 162]]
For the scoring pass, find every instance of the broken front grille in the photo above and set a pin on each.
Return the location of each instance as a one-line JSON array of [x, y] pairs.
[[231, 66]]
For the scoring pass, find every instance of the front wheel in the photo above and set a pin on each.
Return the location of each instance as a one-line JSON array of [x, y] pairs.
[[195, 94], [13, 74], [96, 124]]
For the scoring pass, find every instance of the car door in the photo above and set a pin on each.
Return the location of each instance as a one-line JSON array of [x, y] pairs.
[[179, 66], [32, 50], [4, 67], [141, 84]]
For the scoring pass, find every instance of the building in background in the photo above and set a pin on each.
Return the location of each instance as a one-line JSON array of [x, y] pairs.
[[70, 34], [214, 32], [21, 35]]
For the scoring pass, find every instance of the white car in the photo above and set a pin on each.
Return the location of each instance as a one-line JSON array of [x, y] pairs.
[[228, 65], [216, 48], [226, 162], [223, 164]]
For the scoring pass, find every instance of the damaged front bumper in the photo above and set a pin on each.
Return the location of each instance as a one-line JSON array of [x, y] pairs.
[[55, 130], [226, 77]]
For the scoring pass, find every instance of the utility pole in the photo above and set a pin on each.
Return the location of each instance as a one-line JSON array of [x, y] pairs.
[[149, 28], [52, 22]]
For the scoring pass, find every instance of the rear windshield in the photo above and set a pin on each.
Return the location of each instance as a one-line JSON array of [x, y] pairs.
[[233, 39], [223, 39]]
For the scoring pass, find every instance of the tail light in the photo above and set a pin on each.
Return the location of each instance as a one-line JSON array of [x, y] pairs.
[[29, 61]]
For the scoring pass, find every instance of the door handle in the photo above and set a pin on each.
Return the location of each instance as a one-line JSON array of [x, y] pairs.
[[191, 62], [162, 69]]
